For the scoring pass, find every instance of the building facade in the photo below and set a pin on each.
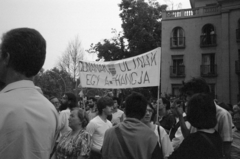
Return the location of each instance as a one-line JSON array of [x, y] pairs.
[[203, 41]]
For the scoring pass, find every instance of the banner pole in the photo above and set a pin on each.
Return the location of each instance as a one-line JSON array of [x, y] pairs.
[[159, 87]]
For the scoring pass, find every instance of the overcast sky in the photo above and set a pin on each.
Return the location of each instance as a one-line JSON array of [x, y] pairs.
[[60, 21]]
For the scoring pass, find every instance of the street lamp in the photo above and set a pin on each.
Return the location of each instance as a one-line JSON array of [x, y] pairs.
[[61, 79]]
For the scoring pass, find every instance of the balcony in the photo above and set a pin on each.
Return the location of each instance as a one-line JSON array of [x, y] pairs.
[[186, 13], [238, 34], [208, 70], [177, 71], [177, 42], [208, 40], [237, 67]]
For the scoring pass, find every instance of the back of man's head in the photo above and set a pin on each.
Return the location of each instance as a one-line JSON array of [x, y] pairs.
[[136, 105], [26, 49], [72, 100], [195, 85]]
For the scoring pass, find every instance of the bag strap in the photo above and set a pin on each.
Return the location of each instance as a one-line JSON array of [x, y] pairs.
[[122, 143], [210, 142], [159, 134]]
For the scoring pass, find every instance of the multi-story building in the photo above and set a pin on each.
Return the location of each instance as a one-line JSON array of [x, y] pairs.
[[203, 41]]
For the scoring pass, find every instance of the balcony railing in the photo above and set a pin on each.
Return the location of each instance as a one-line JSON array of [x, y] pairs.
[[238, 34], [184, 13], [208, 40], [177, 71], [177, 42], [237, 67], [208, 70]]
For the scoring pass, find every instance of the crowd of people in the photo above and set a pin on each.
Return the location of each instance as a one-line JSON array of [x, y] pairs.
[[194, 126]]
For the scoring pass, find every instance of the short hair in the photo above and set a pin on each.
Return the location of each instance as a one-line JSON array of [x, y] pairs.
[[154, 113], [103, 102], [71, 97], [92, 98], [27, 49], [117, 99], [201, 112], [195, 85], [136, 105], [82, 116]]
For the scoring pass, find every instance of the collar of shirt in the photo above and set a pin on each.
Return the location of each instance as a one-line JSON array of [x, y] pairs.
[[17, 85]]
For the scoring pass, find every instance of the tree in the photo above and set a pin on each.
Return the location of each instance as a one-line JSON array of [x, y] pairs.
[[54, 82], [110, 49], [141, 23], [69, 61]]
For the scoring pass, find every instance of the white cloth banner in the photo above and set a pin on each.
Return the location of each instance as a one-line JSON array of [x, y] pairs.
[[138, 71]]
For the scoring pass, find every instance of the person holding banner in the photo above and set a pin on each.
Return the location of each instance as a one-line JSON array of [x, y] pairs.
[[163, 138]]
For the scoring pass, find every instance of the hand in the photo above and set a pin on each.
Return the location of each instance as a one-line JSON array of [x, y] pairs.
[[179, 111], [178, 107]]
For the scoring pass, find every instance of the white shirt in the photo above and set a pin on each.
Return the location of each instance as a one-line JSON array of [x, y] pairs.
[[97, 128], [28, 122], [63, 118], [116, 116], [178, 135], [165, 142]]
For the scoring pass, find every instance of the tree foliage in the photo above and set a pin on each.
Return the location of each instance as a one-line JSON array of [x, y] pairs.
[[54, 82], [141, 25], [110, 49]]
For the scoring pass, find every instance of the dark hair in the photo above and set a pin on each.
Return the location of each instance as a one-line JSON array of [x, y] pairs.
[[117, 99], [27, 50], [92, 98], [73, 100], [83, 117], [136, 105], [167, 102], [103, 102], [154, 113], [201, 112], [195, 85]]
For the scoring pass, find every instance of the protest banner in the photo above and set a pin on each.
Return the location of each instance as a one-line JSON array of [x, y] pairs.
[[138, 71]]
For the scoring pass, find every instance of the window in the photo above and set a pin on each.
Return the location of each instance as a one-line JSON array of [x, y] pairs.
[[208, 37], [208, 67], [177, 39], [177, 68]]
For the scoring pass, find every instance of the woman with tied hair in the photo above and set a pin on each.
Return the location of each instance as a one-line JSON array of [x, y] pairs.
[[163, 138], [76, 143], [206, 142]]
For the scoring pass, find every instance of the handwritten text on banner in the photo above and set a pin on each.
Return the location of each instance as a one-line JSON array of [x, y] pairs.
[[138, 71]]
